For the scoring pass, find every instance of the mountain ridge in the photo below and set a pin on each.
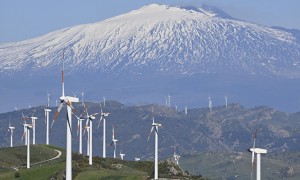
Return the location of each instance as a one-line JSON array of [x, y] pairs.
[[160, 38]]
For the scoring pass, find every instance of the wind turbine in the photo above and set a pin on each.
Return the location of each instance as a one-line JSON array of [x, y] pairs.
[[103, 116], [104, 101], [210, 104], [169, 101], [155, 127], [28, 127], [225, 101], [47, 111], [11, 130], [121, 152], [258, 152], [79, 129], [185, 110], [175, 156], [33, 119], [114, 141], [24, 131], [68, 100], [82, 95], [89, 121]]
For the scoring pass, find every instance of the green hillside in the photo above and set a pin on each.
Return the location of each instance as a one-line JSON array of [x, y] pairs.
[[13, 161], [238, 166]]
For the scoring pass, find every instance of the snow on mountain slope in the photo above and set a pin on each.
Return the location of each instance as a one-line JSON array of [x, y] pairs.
[[161, 38]]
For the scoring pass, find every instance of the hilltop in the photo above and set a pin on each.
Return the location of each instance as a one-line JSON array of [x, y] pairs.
[[12, 161], [225, 129]]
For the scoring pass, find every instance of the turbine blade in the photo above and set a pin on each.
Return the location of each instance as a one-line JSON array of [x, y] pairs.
[[45, 117], [150, 132], [58, 109], [100, 121], [56, 113], [68, 120], [70, 105]]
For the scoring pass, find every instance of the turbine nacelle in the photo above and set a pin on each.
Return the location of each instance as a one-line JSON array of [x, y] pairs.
[[258, 150], [156, 124], [11, 128]]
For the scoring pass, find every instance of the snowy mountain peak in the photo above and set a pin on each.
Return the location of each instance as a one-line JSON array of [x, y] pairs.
[[161, 38]]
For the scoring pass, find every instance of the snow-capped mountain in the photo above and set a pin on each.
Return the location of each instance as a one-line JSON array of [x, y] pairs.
[[161, 38], [142, 56]]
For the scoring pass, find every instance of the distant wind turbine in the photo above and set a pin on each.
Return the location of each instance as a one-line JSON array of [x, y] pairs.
[[175, 156], [47, 111], [210, 104], [28, 127], [225, 101], [11, 130], [114, 141], [155, 127], [89, 121], [33, 121], [103, 116], [121, 152], [79, 130]]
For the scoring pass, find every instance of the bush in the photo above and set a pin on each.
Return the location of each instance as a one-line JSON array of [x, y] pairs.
[[17, 175]]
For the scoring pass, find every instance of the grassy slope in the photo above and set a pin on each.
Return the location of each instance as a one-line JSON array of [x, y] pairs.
[[230, 165], [15, 158]]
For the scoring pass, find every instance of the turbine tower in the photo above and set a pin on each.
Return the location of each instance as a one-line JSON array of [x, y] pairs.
[[121, 152], [114, 141], [89, 121], [210, 104], [68, 100], [103, 116], [88, 140], [185, 110], [104, 101], [11, 130], [175, 156], [28, 127], [226, 101], [79, 129], [47, 111], [169, 101], [155, 127], [33, 119], [24, 131]]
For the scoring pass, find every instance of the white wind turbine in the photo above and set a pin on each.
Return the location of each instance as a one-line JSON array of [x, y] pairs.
[[210, 104], [258, 152], [87, 128], [28, 127], [155, 127], [68, 100], [11, 130], [226, 101], [24, 136], [185, 110], [33, 119], [176, 156], [89, 121], [47, 111], [169, 101], [121, 152], [79, 129], [103, 116], [104, 101], [114, 141]]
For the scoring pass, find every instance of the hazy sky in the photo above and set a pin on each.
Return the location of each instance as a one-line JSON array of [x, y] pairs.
[[24, 19]]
